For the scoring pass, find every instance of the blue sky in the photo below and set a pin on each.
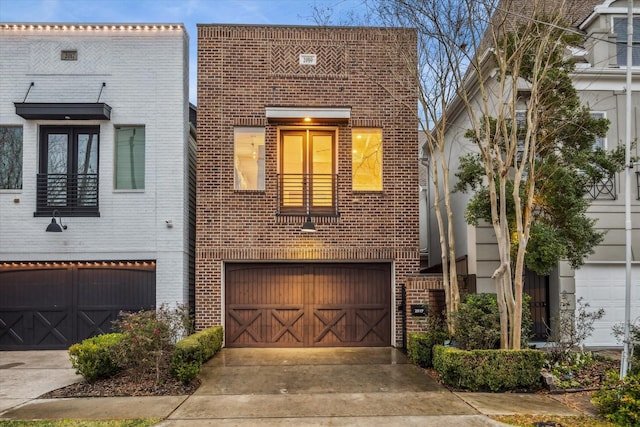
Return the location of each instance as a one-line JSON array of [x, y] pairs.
[[188, 12]]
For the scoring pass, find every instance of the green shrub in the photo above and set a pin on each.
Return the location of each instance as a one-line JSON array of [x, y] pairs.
[[146, 341], [477, 322], [94, 358], [494, 370], [149, 337], [619, 401], [191, 352], [420, 346]]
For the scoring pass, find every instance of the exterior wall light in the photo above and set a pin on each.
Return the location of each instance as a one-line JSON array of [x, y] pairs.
[[54, 226], [308, 226]]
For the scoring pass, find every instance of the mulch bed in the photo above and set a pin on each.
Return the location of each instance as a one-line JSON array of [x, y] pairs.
[[126, 384], [131, 383]]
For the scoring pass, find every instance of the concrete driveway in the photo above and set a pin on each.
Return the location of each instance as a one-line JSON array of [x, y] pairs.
[[25, 375], [283, 387], [324, 386]]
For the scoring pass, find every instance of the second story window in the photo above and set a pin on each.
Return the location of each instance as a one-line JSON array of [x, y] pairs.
[[605, 188], [600, 141], [68, 177], [10, 157], [130, 158], [307, 181], [248, 158], [620, 30], [366, 153]]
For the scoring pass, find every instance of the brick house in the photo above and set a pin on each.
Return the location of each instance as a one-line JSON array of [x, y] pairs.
[[305, 129], [95, 136]]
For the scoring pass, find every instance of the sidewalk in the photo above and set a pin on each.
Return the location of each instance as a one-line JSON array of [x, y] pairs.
[[273, 387]]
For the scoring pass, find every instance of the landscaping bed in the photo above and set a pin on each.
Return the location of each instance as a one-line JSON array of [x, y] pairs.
[[128, 383], [590, 376]]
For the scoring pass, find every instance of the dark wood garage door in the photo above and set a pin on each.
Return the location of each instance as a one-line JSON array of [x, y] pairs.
[[54, 305], [308, 305]]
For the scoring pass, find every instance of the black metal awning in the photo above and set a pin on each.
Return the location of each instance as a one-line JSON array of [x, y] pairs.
[[63, 110]]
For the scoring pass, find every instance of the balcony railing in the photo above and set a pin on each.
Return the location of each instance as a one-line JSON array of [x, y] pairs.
[[316, 194], [70, 194], [604, 189]]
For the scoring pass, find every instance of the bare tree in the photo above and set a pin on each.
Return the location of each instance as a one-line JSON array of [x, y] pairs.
[[495, 67], [487, 65], [446, 31]]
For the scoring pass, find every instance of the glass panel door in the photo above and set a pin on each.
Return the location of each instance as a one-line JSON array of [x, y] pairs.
[[87, 168], [293, 169], [57, 167], [321, 172], [68, 175]]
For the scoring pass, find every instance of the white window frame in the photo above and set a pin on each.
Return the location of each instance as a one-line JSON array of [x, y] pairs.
[[115, 158]]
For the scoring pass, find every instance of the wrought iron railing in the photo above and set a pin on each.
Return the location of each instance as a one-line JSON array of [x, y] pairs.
[[69, 194], [604, 189], [299, 194]]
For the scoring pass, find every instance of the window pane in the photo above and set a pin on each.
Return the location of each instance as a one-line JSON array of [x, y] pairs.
[[599, 141], [87, 169], [87, 153], [293, 166], [620, 29], [58, 149], [130, 143], [10, 157], [57, 168], [322, 173], [366, 148], [249, 158]]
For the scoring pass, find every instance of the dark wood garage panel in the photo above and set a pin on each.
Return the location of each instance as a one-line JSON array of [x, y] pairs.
[[308, 305], [54, 305]]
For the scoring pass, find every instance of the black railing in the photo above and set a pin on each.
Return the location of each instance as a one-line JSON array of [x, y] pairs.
[[70, 194], [604, 189], [299, 194]]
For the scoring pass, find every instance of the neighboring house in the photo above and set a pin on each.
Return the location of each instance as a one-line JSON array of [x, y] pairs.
[[306, 203], [94, 137], [600, 80]]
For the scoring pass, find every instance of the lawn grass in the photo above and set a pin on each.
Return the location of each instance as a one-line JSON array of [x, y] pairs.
[[528, 420], [138, 422]]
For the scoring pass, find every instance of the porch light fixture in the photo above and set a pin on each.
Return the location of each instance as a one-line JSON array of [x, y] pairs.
[[54, 226], [308, 226]]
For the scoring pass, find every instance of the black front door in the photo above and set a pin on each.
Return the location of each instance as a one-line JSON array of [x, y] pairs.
[[537, 287]]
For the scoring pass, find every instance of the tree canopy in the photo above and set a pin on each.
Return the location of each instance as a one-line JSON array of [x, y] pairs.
[[564, 164]]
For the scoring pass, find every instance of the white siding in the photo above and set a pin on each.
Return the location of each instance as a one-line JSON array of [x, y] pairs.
[[603, 286], [146, 79]]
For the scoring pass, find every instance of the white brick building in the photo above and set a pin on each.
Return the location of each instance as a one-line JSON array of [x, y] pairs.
[[94, 127]]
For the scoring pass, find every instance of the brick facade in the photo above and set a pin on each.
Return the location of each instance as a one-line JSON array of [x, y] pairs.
[[244, 69]]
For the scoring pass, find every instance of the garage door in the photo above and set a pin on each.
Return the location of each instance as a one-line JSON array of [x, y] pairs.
[[54, 305], [603, 286], [307, 305]]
